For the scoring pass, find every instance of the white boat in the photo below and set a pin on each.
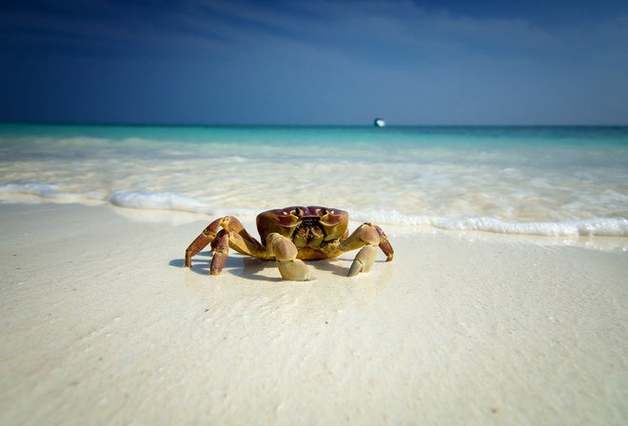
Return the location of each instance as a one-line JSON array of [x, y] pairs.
[[379, 122]]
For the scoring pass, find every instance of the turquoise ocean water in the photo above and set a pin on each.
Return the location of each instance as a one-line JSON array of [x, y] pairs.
[[551, 181]]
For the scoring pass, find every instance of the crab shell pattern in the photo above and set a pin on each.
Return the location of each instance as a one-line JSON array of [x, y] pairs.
[[291, 235]]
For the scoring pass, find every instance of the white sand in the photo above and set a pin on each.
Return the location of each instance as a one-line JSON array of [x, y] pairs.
[[102, 325]]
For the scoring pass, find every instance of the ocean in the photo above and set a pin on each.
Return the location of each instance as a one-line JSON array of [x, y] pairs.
[[549, 181]]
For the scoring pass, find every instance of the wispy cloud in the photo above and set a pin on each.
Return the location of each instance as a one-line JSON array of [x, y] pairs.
[[325, 58], [351, 27]]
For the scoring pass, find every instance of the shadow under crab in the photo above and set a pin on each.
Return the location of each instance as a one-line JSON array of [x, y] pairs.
[[291, 235]]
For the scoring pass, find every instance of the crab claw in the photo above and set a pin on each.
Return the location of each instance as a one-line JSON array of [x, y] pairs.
[[363, 261], [294, 270], [286, 252]]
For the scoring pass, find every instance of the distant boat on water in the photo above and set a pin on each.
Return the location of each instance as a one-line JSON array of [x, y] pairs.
[[379, 122]]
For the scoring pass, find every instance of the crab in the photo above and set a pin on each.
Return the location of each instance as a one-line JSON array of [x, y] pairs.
[[291, 235]]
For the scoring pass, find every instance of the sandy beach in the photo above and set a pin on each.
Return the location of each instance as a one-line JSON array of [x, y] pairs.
[[103, 325], [488, 140]]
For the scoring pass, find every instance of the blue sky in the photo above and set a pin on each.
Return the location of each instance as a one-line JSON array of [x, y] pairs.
[[315, 62]]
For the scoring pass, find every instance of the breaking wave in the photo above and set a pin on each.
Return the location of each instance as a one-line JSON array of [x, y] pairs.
[[597, 226]]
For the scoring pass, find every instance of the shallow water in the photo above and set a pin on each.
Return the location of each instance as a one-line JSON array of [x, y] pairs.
[[556, 181]]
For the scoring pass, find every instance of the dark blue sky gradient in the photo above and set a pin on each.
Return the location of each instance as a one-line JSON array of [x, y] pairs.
[[315, 62]]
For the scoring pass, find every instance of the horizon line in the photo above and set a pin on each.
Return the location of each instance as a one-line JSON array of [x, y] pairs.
[[253, 124]]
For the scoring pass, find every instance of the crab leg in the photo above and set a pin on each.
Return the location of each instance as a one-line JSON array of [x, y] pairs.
[[243, 243], [220, 246], [384, 244], [367, 237], [240, 240], [285, 252], [205, 237]]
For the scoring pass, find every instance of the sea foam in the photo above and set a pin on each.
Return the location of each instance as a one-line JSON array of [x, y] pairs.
[[157, 200], [29, 188], [16, 191], [598, 226]]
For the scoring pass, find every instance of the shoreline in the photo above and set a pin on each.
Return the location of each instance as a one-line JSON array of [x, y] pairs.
[[599, 233], [103, 325]]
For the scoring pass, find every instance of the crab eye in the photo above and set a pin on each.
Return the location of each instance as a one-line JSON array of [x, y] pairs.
[[286, 219], [328, 220]]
